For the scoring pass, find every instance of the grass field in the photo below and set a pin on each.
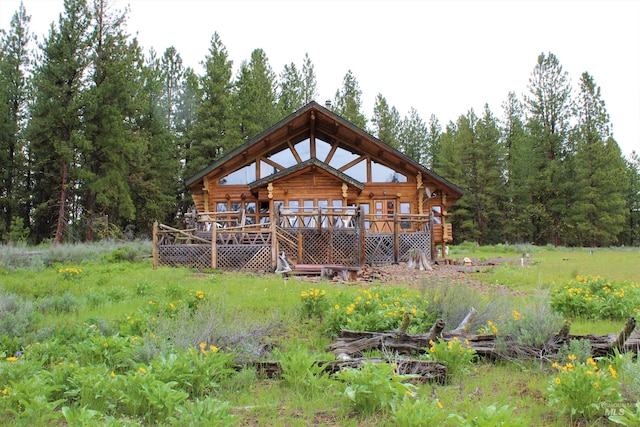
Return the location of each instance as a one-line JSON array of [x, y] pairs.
[[111, 341]]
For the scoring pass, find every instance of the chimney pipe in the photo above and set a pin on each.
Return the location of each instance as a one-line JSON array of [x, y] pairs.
[[327, 104]]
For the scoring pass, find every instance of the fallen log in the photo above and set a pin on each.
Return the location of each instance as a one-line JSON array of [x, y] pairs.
[[353, 343], [424, 370]]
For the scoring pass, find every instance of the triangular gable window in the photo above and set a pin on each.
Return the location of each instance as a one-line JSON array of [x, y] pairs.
[[382, 173], [358, 171], [244, 175], [341, 157]]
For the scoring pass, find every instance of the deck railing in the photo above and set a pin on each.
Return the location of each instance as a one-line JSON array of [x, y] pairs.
[[319, 235]]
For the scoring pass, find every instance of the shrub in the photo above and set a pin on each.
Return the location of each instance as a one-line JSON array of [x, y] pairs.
[[379, 309], [375, 387], [494, 416], [301, 373], [66, 303], [457, 358], [314, 303], [201, 413], [597, 298], [419, 413], [530, 328], [578, 389], [16, 315]]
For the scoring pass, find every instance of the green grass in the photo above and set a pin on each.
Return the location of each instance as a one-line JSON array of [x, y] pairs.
[[545, 267], [107, 292]]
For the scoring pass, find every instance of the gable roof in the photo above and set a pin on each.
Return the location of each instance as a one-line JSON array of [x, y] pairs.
[[324, 122]]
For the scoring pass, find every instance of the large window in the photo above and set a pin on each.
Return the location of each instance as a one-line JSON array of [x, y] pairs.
[[341, 157], [358, 171], [244, 175], [382, 173]]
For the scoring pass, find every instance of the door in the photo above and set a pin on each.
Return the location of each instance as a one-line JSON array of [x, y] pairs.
[[383, 210]]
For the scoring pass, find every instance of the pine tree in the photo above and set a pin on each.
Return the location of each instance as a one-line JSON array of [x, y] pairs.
[[386, 122], [631, 231], [172, 75], [471, 155], [598, 208], [488, 182], [254, 98], [15, 63], [210, 136], [309, 83], [154, 172], [111, 104], [413, 136], [56, 129], [348, 102], [434, 132], [517, 211], [290, 93], [549, 109], [453, 166]]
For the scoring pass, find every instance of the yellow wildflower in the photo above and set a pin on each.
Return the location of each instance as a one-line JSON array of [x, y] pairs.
[[213, 348], [143, 370], [439, 404], [11, 359], [614, 374], [595, 385], [558, 380], [572, 357], [113, 374], [105, 345]]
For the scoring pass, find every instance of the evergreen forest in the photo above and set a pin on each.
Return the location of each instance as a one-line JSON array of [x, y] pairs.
[[97, 136]]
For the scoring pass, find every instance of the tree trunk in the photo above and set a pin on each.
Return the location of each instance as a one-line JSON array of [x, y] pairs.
[[62, 209]]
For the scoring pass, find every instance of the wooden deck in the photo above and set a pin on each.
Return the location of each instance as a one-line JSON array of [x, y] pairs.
[[326, 271]]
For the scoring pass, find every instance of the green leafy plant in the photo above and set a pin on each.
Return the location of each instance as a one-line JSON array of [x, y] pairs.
[[419, 413], [301, 373], [202, 413], [456, 355], [492, 416], [314, 303], [578, 388], [375, 387], [380, 309], [594, 297]]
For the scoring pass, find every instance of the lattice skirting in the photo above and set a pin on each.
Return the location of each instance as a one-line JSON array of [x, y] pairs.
[[410, 242], [379, 248], [230, 257], [245, 257], [193, 256], [311, 246]]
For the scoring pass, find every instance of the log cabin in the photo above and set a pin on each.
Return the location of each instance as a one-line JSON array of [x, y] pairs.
[[328, 193]]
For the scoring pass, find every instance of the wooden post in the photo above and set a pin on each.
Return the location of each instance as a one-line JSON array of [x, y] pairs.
[[274, 245], [214, 246], [396, 240], [363, 245], [155, 244]]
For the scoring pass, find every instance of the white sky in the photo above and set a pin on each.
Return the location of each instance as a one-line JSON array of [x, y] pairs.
[[440, 57]]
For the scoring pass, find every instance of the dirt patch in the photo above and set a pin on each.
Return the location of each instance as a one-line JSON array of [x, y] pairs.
[[454, 272]]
